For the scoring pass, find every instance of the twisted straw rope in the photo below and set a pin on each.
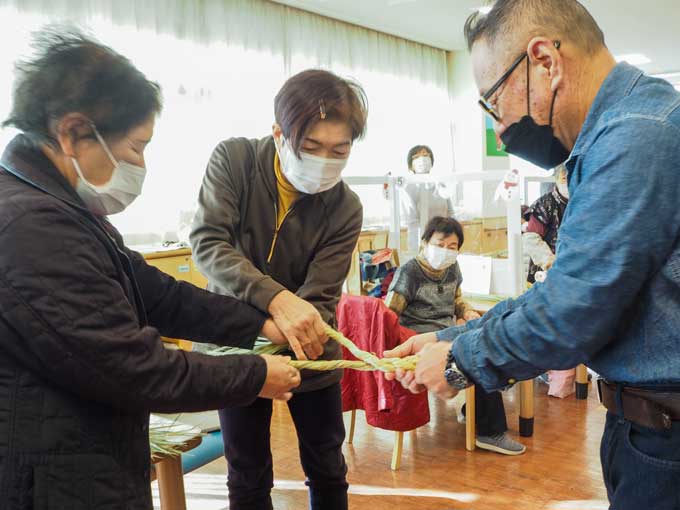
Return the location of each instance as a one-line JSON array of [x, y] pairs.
[[368, 362]]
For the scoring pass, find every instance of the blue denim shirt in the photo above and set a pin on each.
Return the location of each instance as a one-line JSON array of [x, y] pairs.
[[612, 298]]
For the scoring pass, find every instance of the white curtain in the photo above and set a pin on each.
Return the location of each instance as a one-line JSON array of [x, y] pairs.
[[221, 62]]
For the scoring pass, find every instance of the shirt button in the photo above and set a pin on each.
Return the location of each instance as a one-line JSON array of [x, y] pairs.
[[512, 381]]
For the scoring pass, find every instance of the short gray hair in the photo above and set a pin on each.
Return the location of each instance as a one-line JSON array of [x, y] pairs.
[[512, 20]]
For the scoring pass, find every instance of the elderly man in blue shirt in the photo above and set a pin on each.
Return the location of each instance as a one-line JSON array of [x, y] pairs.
[[612, 298]]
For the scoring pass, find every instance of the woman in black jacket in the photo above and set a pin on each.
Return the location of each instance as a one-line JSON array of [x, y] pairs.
[[81, 360]]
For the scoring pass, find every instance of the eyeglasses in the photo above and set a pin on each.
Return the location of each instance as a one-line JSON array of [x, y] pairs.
[[484, 100]]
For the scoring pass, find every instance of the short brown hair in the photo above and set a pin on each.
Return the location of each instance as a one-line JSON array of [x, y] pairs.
[[415, 150], [445, 226], [316, 94], [563, 20]]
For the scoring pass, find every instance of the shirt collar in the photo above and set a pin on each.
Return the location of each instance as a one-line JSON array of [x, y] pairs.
[[618, 84]]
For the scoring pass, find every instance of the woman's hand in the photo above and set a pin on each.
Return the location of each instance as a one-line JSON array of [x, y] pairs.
[[272, 333], [300, 323], [549, 264], [471, 315], [281, 378]]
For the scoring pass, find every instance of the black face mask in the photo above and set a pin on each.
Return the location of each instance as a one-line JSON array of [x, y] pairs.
[[533, 143]]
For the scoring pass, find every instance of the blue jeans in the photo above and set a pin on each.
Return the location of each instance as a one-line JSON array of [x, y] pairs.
[[641, 467], [317, 416]]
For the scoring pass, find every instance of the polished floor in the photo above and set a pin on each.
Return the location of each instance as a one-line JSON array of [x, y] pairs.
[[559, 471]]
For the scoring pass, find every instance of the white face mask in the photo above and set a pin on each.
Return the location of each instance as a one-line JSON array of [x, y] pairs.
[[309, 174], [440, 258], [422, 165], [563, 189], [113, 197]]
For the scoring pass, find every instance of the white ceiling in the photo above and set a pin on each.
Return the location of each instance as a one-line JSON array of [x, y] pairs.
[[651, 27]]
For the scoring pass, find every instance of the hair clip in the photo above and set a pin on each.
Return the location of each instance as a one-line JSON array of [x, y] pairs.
[[322, 109]]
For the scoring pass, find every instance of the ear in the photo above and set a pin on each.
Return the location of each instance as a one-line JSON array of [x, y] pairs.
[[276, 131], [544, 55], [69, 130]]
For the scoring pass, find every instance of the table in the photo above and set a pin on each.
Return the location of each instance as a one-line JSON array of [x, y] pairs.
[[526, 388], [168, 468]]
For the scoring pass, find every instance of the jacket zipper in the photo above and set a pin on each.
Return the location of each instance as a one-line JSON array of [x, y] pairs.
[[278, 228]]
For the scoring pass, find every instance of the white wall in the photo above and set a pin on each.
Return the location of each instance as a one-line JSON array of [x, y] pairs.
[[469, 138]]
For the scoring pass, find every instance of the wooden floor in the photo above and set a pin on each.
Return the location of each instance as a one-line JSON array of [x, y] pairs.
[[559, 471]]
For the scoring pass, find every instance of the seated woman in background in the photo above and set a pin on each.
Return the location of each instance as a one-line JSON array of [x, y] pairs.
[[544, 220], [426, 295], [540, 244]]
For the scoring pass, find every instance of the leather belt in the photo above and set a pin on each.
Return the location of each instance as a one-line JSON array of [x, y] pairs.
[[647, 408]]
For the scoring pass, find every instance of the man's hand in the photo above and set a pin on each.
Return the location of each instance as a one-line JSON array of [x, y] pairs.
[[413, 345], [300, 323], [430, 370], [281, 378]]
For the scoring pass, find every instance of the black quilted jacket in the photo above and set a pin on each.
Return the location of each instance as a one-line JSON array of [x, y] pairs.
[[81, 361]]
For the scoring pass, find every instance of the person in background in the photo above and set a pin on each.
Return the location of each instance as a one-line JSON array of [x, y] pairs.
[[545, 217], [612, 297], [422, 201], [426, 295], [82, 363], [540, 244], [276, 227]]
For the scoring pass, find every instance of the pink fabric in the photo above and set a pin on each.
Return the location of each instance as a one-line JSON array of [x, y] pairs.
[[561, 383], [373, 327]]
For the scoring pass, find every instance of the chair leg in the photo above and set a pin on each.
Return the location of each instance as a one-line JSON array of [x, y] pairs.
[[396, 453], [470, 425], [352, 423]]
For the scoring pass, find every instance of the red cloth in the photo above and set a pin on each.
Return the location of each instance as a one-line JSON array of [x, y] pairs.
[[385, 284], [373, 327], [536, 226]]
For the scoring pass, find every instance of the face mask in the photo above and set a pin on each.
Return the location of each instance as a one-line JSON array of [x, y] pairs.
[[309, 174], [422, 165], [533, 143], [113, 197], [440, 258], [563, 189]]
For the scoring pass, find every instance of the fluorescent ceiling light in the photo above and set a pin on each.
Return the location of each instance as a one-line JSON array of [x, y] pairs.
[[635, 59]]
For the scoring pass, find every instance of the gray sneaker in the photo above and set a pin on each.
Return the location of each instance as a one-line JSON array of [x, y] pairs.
[[501, 443]]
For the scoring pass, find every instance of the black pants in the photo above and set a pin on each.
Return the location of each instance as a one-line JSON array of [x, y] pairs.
[[489, 413], [318, 421], [641, 467]]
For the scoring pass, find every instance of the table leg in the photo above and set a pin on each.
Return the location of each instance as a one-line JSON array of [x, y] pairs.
[[526, 413], [171, 483], [581, 382]]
